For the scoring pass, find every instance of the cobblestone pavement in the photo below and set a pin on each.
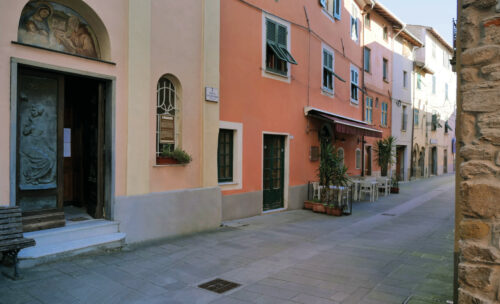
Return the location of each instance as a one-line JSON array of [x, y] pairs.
[[386, 251]]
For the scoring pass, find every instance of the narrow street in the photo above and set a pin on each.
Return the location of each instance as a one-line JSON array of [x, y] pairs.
[[386, 251]]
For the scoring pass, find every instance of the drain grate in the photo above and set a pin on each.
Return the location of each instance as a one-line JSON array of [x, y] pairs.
[[388, 214], [219, 285]]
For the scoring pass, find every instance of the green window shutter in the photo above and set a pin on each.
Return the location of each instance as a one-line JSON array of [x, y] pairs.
[[270, 31], [282, 32]]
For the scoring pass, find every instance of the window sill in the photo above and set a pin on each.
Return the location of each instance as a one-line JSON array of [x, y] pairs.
[[327, 92], [169, 165], [276, 73], [228, 183]]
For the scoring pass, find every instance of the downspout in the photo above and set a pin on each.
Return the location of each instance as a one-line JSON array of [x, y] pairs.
[[363, 92]]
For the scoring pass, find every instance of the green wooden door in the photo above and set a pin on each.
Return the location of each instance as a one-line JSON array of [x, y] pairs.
[[274, 160]]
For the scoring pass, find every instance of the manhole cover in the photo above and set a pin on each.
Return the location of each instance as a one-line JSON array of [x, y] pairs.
[[388, 214], [219, 285]]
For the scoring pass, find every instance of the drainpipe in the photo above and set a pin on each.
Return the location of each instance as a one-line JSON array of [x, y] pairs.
[[412, 167], [362, 42]]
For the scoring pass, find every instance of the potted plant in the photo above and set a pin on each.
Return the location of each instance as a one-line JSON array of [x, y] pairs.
[[324, 173], [339, 178], [331, 171], [394, 185], [176, 156], [386, 152]]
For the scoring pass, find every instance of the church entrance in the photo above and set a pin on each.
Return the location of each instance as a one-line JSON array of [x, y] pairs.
[[60, 147]]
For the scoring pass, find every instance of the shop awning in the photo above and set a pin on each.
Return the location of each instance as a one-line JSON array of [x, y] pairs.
[[345, 125]]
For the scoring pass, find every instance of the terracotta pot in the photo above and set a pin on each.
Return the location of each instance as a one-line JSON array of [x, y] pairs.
[[336, 211], [319, 208], [308, 205], [394, 190], [166, 161]]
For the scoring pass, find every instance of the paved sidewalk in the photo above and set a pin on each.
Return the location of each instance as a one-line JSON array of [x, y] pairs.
[[399, 246]]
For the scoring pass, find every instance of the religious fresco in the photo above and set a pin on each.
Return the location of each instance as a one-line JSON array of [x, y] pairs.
[[55, 26]]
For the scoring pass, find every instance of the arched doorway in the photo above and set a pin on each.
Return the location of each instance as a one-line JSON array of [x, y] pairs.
[[63, 119]]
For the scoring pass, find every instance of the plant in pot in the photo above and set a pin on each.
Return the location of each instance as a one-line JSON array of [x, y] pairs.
[[339, 178], [324, 174], [386, 153], [175, 156], [394, 185]]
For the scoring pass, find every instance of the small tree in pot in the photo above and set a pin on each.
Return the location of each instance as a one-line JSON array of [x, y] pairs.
[[385, 150], [331, 172]]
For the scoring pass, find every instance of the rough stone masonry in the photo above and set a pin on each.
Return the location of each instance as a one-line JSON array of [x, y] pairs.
[[479, 145]]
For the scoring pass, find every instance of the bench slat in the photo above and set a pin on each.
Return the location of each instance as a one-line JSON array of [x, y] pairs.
[[8, 210], [17, 244], [10, 236], [10, 220], [9, 226], [8, 215]]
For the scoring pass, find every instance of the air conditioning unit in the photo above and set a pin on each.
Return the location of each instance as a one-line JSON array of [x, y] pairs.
[[322, 3]]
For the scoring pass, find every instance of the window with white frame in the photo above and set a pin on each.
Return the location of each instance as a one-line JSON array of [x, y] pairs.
[[277, 55], [369, 110], [337, 8], [354, 84], [385, 33], [433, 84], [167, 109], [383, 120], [416, 116], [419, 81], [340, 153], [354, 24], [358, 159], [404, 119], [367, 55], [446, 91], [328, 70], [385, 69], [367, 20], [405, 79]]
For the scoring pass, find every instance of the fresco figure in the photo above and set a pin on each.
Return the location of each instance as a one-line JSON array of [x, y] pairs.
[[40, 20], [55, 26], [39, 160], [77, 40]]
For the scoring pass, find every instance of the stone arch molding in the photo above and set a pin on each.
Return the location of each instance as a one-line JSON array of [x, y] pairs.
[[69, 26]]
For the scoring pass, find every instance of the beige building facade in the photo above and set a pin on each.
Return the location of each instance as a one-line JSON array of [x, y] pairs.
[[434, 105], [138, 84]]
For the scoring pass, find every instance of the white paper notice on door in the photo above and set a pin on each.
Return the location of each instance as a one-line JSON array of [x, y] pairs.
[[67, 142]]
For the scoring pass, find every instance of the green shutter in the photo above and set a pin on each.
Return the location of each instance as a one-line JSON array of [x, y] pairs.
[[225, 156], [270, 31]]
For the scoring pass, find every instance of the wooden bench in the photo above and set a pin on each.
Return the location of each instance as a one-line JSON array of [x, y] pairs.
[[11, 236]]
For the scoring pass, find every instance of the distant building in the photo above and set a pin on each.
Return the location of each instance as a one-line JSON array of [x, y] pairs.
[[434, 105]]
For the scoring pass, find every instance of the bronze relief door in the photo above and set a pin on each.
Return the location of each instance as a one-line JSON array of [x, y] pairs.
[[39, 149]]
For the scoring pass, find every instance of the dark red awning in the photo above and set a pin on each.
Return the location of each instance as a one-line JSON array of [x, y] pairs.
[[345, 126]]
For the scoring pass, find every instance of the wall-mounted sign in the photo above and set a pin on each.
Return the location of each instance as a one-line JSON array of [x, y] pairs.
[[433, 141], [166, 129], [211, 94]]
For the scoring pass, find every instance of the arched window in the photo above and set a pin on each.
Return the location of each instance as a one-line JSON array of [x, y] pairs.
[[167, 110], [358, 159], [340, 153]]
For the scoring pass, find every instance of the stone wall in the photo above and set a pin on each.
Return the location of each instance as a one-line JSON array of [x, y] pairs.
[[478, 200]]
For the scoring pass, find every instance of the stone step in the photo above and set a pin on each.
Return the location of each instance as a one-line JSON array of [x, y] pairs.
[[73, 232], [40, 254]]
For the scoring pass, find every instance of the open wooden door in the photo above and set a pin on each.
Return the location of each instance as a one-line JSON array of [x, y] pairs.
[[39, 176]]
